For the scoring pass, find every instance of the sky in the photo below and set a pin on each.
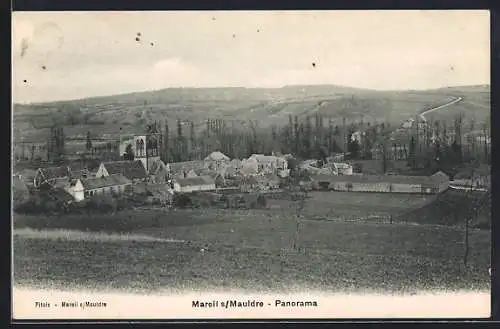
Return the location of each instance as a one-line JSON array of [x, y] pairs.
[[70, 55]]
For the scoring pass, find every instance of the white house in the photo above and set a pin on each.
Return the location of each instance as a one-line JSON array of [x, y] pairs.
[[217, 156], [193, 184], [249, 166], [342, 168], [269, 163]]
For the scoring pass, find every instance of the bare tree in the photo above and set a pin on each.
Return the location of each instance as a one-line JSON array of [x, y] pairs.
[[474, 201]]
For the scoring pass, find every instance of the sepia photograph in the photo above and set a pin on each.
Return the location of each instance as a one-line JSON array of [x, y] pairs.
[[223, 165]]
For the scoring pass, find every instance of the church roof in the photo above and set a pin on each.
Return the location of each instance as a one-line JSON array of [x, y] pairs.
[[130, 169]]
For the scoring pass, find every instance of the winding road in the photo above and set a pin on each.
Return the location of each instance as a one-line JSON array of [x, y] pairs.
[[454, 101]]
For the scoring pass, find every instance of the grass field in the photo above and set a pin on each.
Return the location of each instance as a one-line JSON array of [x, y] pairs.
[[251, 250]]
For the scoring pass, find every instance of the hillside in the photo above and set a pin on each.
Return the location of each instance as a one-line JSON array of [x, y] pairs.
[[106, 115]]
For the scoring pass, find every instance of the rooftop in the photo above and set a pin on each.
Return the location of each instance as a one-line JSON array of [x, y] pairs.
[[381, 178], [180, 167], [193, 181], [112, 180], [130, 169], [54, 172], [217, 156]]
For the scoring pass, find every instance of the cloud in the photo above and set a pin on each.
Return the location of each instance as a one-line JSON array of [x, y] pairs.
[[372, 50]]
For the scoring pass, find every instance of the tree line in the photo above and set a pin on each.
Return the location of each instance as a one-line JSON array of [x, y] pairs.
[[434, 144]]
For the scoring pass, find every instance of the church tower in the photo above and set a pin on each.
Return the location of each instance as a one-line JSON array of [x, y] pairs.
[[147, 147]]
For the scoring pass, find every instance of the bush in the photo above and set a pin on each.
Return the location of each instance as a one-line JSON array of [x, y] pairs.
[[39, 205], [182, 201], [262, 201], [102, 203]]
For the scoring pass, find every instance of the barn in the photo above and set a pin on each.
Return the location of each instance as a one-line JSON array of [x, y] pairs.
[[434, 184], [192, 184], [82, 188]]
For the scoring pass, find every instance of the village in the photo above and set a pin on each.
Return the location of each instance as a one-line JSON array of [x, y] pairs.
[[224, 181]]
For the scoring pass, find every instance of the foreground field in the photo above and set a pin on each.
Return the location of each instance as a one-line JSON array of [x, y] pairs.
[[249, 250]]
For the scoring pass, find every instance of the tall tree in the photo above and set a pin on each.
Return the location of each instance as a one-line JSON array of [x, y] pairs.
[[129, 153], [412, 153], [88, 144]]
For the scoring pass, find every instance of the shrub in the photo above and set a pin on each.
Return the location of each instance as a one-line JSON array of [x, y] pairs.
[[262, 201], [102, 203], [182, 201]]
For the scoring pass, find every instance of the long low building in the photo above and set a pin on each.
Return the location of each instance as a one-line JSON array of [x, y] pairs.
[[83, 188], [193, 184], [434, 184]]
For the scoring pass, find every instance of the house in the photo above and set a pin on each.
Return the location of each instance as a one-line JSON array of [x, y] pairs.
[[270, 163], [342, 168], [193, 184], [434, 184], [284, 173], [231, 172], [248, 183], [441, 182], [178, 170], [217, 161], [249, 166], [217, 157], [78, 170], [81, 188], [236, 163], [51, 176], [159, 193], [133, 170], [159, 172], [337, 157]]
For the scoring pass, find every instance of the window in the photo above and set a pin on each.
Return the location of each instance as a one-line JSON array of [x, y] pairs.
[[141, 148]]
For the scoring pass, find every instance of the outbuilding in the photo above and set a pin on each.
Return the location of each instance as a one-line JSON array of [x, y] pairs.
[[192, 184], [82, 188], [434, 184]]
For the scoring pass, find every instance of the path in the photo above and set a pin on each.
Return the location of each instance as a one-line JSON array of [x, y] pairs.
[[456, 100]]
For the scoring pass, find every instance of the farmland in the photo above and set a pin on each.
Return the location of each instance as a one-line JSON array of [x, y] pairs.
[[105, 116], [147, 250]]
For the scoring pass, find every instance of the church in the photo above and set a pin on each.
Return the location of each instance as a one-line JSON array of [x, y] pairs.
[[145, 147]]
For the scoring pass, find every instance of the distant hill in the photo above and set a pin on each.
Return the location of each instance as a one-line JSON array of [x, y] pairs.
[[130, 112]]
